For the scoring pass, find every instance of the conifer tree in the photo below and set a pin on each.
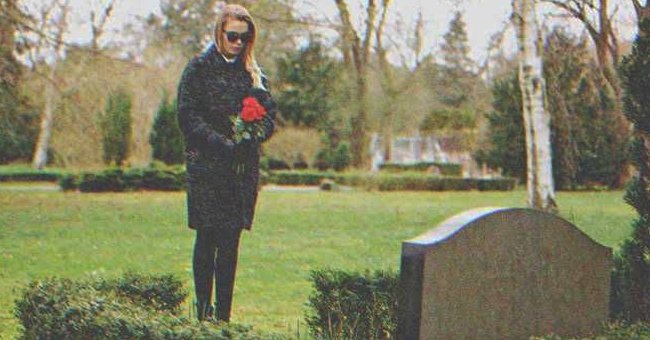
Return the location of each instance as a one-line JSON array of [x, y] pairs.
[[166, 138], [631, 289], [116, 128]]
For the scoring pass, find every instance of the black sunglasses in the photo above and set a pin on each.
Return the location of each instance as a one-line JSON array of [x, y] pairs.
[[234, 36]]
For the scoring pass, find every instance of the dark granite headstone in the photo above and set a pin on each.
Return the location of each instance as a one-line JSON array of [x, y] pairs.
[[499, 273]]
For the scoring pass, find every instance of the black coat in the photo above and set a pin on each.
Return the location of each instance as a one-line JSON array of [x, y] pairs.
[[210, 91]]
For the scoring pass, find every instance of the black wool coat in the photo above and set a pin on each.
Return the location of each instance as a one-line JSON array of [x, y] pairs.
[[210, 91]]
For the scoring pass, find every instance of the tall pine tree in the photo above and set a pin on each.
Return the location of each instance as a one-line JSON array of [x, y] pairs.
[[457, 72], [631, 289]]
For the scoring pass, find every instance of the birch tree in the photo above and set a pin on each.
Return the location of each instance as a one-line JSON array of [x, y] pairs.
[[54, 22], [642, 12], [541, 192]]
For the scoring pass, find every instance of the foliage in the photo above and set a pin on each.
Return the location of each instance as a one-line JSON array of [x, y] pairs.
[[28, 174], [405, 181], [18, 122], [116, 128], [506, 150], [448, 119], [631, 276], [135, 306], [132, 179], [455, 48], [444, 169], [166, 138], [291, 145], [307, 77], [352, 305], [338, 157], [587, 140]]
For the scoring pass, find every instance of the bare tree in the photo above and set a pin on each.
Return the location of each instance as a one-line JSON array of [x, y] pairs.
[[541, 192], [98, 23], [595, 16], [642, 11], [54, 21], [358, 52], [392, 88]]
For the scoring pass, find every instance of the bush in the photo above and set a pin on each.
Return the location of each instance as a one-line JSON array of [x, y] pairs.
[[28, 174], [631, 288], [444, 169], [393, 182], [351, 305], [166, 138], [131, 307], [116, 180], [115, 123]]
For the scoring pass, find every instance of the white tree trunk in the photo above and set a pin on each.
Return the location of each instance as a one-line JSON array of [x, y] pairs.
[[541, 193], [47, 118]]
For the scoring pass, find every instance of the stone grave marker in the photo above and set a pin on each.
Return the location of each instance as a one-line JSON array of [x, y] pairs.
[[503, 273]]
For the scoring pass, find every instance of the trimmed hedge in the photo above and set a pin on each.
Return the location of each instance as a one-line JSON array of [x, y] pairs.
[[29, 175], [352, 305], [132, 307], [393, 182], [445, 169], [133, 179]]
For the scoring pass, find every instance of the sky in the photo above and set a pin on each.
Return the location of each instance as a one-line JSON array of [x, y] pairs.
[[483, 17]]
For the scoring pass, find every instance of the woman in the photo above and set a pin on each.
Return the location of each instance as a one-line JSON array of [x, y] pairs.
[[221, 201]]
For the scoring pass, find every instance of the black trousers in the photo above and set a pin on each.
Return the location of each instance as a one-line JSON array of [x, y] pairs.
[[215, 260]]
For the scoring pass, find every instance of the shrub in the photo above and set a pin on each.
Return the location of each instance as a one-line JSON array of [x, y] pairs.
[[444, 169], [631, 281], [107, 180], [28, 174], [115, 123], [116, 180], [290, 143], [166, 138], [69, 182], [131, 307], [351, 305], [393, 182]]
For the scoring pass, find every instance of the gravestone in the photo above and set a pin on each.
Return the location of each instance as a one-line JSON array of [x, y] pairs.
[[501, 273]]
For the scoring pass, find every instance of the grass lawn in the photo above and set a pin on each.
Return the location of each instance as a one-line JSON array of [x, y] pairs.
[[45, 233]]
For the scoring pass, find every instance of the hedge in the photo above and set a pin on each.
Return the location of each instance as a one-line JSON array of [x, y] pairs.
[[392, 182], [132, 179], [445, 169], [29, 175], [353, 305], [132, 307]]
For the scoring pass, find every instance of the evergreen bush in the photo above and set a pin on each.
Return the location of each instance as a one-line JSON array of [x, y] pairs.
[[444, 169], [134, 306], [115, 124], [166, 138], [631, 275], [352, 305]]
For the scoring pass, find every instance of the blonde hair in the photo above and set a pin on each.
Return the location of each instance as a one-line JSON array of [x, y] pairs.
[[238, 12]]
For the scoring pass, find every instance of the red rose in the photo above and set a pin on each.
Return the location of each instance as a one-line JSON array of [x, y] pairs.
[[252, 110]]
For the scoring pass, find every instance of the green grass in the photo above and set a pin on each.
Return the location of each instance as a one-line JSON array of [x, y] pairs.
[[46, 234]]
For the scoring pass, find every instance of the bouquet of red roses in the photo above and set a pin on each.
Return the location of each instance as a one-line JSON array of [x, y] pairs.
[[247, 127]]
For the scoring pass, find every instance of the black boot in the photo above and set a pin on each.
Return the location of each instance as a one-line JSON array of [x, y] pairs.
[[204, 311]]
